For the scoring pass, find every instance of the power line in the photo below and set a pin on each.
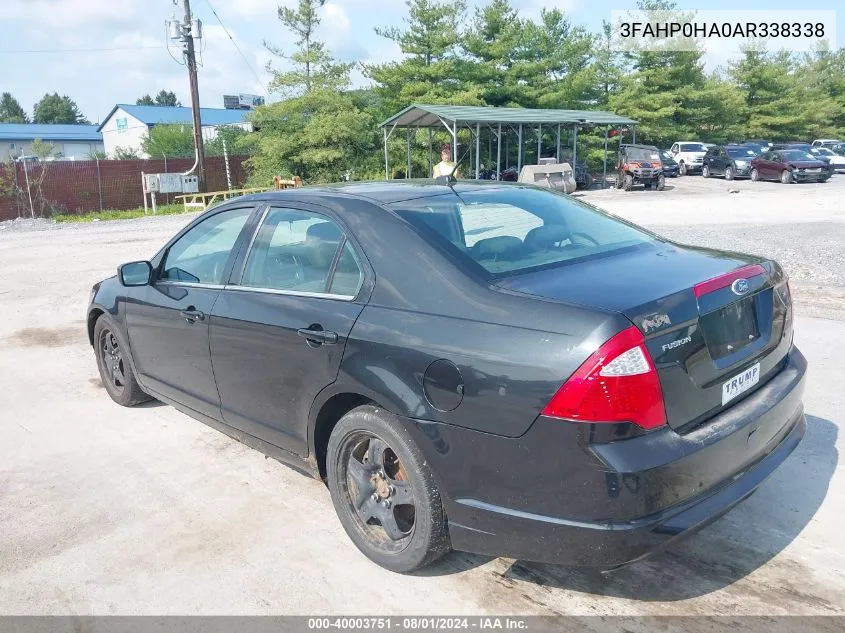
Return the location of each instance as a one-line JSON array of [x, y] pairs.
[[238, 48], [77, 50]]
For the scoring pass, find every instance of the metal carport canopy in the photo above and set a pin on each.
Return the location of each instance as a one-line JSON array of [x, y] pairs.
[[422, 116], [453, 117]]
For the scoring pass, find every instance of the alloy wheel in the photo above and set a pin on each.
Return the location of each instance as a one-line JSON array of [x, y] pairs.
[[379, 492], [114, 368]]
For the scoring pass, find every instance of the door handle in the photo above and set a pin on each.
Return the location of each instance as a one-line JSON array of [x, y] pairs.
[[321, 336], [192, 315]]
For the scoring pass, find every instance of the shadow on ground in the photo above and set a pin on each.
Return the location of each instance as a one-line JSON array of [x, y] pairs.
[[747, 538]]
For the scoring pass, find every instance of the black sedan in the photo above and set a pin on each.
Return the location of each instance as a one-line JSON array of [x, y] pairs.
[[787, 166], [487, 367]]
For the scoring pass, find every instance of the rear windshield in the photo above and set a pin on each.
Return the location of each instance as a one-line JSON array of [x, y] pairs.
[[741, 152], [693, 147], [513, 229]]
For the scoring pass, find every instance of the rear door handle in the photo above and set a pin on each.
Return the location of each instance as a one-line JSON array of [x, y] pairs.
[[318, 336], [190, 315]]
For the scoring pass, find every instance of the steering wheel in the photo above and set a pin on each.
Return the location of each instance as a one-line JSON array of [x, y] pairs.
[[586, 237]]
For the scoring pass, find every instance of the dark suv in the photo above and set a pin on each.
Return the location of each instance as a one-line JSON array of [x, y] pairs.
[[730, 161], [639, 165]]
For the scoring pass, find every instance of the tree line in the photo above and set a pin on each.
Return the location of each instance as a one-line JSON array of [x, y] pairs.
[[322, 128], [55, 108]]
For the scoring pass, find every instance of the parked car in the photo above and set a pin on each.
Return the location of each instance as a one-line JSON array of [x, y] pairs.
[[827, 142], [670, 165], [689, 156], [758, 146], [835, 161], [814, 152], [639, 165], [488, 367], [730, 161], [788, 165]]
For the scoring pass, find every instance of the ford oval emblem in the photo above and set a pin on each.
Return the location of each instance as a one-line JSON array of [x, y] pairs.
[[740, 286]]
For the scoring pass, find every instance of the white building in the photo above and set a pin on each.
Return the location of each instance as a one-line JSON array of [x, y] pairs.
[[126, 125]]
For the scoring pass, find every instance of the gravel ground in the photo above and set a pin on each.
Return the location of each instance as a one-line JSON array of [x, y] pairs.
[[107, 510]]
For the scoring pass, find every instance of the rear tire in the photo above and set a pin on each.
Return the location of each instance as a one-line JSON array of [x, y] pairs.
[[628, 184], [786, 177], [384, 493], [114, 364]]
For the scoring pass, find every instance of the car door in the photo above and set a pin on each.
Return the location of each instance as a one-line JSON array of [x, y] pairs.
[[168, 320], [764, 165], [722, 161], [280, 326]]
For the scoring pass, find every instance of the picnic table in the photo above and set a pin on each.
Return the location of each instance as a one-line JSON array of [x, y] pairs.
[[204, 200]]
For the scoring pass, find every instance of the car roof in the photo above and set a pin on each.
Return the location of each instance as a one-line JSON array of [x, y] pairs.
[[383, 191]]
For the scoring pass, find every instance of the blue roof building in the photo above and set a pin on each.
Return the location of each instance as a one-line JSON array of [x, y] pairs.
[[72, 142], [126, 125]]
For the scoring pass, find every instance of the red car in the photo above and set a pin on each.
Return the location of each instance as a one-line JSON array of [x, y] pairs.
[[789, 165]]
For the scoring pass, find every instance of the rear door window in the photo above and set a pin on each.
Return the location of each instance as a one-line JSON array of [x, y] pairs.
[[300, 251]]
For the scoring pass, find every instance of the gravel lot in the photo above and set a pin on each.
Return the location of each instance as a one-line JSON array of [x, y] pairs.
[[106, 510]]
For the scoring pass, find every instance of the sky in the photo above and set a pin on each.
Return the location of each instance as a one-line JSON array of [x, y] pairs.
[[104, 52]]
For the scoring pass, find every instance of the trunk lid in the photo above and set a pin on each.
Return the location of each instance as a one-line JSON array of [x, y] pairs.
[[700, 335]]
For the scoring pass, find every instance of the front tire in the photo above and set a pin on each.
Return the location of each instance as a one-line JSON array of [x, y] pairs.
[[786, 177], [628, 183], [705, 172], [729, 173], [114, 365], [682, 169], [384, 493], [661, 182]]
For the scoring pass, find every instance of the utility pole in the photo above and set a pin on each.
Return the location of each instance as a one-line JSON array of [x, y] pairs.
[[185, 33]]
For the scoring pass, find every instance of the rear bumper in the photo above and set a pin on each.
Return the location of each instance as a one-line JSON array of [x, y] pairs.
[[554, 496]]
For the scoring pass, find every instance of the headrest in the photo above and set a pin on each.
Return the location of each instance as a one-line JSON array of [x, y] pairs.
[[325, 231], [545, 237], [502, 247]]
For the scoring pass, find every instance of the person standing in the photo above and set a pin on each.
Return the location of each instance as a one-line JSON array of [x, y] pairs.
[[446, 166]]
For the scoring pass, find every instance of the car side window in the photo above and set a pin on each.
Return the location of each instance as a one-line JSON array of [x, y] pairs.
[[674, 149], [296, 250], [200, 255]]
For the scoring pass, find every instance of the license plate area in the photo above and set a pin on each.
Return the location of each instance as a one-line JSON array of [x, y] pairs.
[[730, 328], [740, 383]]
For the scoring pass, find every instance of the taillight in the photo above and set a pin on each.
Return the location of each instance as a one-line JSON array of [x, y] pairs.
[[784, 294], [617, 383]]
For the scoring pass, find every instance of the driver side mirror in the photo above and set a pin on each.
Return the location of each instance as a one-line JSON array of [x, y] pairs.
[[135, 273]]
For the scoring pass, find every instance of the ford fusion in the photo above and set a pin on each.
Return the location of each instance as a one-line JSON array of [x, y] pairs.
[[491, 368]]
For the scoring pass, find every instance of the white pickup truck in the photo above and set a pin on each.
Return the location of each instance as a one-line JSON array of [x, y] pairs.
[[689, 155]]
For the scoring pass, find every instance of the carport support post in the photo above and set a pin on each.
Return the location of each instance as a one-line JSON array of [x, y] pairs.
[[519, 153], [386, 166], [499, 153], [574, 145], [477, 148], [604, 173], [539, 141], [429, 153], [557, 151], [455, 146], [408, 173], [634, 133]]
